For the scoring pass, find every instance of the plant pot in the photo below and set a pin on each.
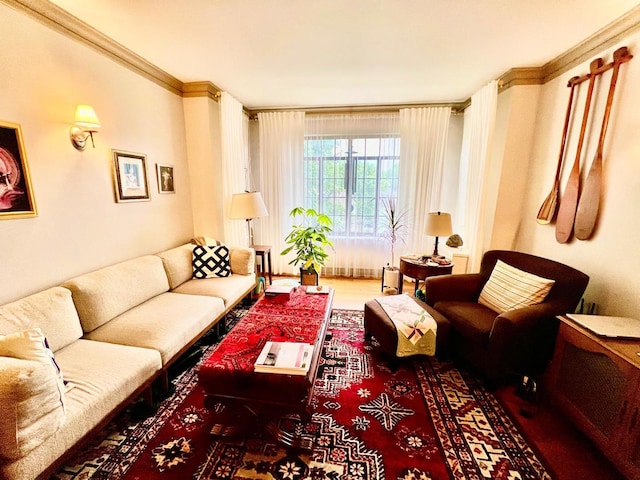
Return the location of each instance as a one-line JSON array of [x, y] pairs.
[[308, 277], [390, 277]]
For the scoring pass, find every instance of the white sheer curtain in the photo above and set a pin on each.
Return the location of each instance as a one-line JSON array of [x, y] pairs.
[[281, 179], [479, 120], [357, 256], [423, 146], [235, 162]]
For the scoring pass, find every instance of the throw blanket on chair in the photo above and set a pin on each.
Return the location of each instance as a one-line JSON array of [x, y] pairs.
[[415, 326]]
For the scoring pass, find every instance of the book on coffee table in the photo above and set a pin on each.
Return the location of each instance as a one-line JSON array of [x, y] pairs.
[[289, 358]]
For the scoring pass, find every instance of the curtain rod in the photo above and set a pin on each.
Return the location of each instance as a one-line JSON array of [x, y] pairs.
[[457, 108]]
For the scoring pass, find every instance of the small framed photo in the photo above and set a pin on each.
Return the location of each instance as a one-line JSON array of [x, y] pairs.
[[130, 177], [16, 194], [165, 178]]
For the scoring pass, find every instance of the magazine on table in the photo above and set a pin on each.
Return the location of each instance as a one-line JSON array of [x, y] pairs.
[[290, 358]]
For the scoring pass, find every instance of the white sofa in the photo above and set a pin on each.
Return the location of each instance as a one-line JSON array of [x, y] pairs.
[[113, 332]]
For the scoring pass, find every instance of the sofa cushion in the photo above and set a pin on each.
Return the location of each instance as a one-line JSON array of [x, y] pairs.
[[210, 261], [32, 410], [509, 288], [165, 323], [470, 319], [177, 264], [52, 310], [104, 294], [229, 289], [243, 261]]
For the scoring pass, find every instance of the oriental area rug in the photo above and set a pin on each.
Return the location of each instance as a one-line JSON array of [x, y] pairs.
[[426, 420]]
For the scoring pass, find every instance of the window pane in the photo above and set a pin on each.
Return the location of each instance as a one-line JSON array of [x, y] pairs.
[[346, 178]]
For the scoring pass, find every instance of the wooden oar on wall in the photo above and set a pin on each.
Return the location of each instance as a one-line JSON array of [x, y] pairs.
[[569, 199], [589, 204], [548, 208]]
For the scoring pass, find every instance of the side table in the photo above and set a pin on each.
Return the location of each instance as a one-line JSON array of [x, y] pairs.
[[420, 271], [264, 252]]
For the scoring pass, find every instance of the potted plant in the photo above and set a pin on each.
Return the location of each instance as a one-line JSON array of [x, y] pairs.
[[308, 239], [394, 228]]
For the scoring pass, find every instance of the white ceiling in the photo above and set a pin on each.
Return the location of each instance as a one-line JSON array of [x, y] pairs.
[[295, 53]]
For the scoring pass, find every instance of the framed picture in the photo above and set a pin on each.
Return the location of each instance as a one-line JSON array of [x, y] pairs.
[[16, 195], [130, 177], [165, 178]]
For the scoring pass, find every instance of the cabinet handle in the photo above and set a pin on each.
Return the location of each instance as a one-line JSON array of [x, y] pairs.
[[632, 425]]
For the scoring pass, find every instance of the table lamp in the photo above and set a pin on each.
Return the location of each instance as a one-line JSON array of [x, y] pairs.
[[438, 225], [248, 205]]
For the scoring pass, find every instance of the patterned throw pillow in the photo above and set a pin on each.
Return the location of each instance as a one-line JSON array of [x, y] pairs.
[[509, 288], [32, 345], [211, 261]]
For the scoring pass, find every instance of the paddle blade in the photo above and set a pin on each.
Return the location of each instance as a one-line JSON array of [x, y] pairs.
[[567, 210], [548, 207], [589, 204]]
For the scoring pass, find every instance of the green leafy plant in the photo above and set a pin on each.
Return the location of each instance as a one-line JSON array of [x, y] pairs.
[[394, 226], [308, 239]]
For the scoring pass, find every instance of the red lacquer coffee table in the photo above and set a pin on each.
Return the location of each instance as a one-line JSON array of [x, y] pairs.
[[228, 378]]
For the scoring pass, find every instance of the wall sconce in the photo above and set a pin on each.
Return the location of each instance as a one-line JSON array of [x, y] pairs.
[[85, 125]]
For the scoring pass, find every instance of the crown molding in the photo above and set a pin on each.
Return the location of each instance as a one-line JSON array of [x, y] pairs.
[[201, 89], [585, 50], [63, 22]]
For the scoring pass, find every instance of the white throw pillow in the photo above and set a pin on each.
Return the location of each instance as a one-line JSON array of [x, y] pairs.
[[32, 345], [509, 288]]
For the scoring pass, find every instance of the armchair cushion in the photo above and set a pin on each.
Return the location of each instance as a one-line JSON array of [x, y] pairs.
[[509, 288]]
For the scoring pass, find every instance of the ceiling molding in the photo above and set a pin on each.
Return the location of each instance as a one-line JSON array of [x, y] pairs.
[[589, 48], [584, 51], [520, 76], [63, 22], [201, 89]]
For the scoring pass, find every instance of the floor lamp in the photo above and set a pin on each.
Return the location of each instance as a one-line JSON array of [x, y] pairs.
[[438, 225], [247, 205]]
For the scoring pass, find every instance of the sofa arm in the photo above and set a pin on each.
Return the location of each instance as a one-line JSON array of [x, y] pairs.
[[242, 260], [458, 288], [32, 407]]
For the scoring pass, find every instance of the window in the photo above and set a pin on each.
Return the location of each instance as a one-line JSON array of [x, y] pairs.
[[346, 178]]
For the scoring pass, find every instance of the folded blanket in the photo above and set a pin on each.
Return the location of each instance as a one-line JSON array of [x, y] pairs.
[[416, 328]]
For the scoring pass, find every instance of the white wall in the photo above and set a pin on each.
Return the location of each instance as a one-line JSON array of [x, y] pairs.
[[611, 257], [79, 226]]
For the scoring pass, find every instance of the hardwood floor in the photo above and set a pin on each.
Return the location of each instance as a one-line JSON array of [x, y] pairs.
[[566, 451]]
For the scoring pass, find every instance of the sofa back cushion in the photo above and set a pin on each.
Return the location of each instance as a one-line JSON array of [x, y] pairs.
[[177, 264], [106, 293], [51, 310]]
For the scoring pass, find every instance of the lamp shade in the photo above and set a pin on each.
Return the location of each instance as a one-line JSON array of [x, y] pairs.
[[86, 118], [438, 224], [247, 205]]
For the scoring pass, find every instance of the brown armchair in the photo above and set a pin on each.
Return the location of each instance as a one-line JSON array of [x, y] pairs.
[[515, 342]]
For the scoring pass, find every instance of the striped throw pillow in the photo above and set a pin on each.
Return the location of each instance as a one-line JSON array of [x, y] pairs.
[[509, 288]]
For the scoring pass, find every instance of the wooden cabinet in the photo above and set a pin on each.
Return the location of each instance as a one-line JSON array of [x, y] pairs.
[[596, 382]]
